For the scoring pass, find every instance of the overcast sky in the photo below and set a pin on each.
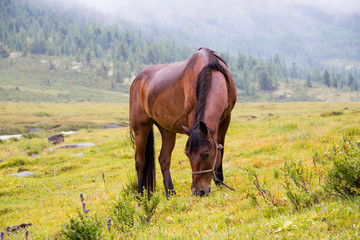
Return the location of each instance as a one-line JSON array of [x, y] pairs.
[[131, 6]]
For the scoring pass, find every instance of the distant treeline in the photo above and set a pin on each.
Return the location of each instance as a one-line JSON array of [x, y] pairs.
[[253, 74], [29, 29]]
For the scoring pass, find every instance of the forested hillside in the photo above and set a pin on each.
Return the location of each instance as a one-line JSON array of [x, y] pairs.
[[31, 30], [53, 53]]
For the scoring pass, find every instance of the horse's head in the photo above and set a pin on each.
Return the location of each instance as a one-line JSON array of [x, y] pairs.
[[204, 155]]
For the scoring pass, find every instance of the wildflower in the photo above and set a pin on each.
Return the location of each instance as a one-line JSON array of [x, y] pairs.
[[82, 197], [2, 235], [84, 208], [109, 224], [26, 234]]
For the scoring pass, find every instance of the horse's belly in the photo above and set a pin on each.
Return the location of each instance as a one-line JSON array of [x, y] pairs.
[[170, 119]]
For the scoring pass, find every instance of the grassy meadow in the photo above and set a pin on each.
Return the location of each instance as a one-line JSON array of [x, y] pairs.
[[263, 140]]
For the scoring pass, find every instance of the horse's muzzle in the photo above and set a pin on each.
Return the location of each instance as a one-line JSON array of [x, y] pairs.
[[201, 192]]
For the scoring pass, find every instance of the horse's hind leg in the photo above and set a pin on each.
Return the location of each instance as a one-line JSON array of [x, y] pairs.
[[168, 143], [141, 132]]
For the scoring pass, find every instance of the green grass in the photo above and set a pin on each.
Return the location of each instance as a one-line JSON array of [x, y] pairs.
[[282, 132]]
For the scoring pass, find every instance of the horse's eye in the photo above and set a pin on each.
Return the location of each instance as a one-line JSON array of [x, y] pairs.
[[205, 156]]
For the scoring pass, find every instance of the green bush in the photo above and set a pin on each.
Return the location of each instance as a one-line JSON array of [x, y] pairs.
[[126, 215], [123, 213], [329, 114], [263, 190], [31, 135], [343, 177], [82, 227], [298, 184], [13, 163], [33, 147], [148, 207]]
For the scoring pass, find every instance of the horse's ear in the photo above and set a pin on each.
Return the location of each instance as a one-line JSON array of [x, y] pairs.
[[186, 130], [203, 128]]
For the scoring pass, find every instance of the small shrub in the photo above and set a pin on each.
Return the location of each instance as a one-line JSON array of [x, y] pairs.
[[343, 177], [329, 114], [298, 184], [131, 188], [14, 139], [16, 163], [262, 188], [148, 207], [123, 213], [33, 147], [286, 126], [42, 114], [83, 226], [31, 135], [126, 215], [351, 132], [5, 130]]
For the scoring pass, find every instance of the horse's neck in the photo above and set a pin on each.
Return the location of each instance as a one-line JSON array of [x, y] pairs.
[[216, 102]]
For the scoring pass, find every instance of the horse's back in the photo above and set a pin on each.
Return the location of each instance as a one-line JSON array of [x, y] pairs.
[[167, 93], [158, 91]]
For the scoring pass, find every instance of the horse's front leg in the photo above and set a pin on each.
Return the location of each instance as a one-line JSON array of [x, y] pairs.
[[168, 143], [223, 127]]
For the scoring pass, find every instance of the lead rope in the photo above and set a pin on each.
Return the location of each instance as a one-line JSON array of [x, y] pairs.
[[217, 147]]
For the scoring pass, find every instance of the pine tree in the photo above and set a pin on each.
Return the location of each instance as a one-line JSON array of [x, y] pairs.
[[356, 85], [351, 80], [326, 78], [294, 71], [4, 50], [265, 81], [308, 81]]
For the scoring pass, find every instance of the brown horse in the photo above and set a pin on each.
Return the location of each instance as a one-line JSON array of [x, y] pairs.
[[195, 97]]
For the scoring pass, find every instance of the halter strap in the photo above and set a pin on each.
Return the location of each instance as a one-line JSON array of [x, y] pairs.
[[212, 170]]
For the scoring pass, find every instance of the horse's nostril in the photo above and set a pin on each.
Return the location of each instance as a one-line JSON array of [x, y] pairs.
[[209, 189], [201, 193]]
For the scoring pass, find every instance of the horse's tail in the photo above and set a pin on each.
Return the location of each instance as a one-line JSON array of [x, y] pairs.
[[149, 170]]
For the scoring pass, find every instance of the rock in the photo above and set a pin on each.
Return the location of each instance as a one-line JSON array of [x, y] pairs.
[[75, 145], [23, 174], [16, 227], [79, 154], [56, 139], [22, 170]]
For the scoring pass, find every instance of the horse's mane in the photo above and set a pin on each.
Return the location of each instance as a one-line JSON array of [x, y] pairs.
[[203, 84]]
